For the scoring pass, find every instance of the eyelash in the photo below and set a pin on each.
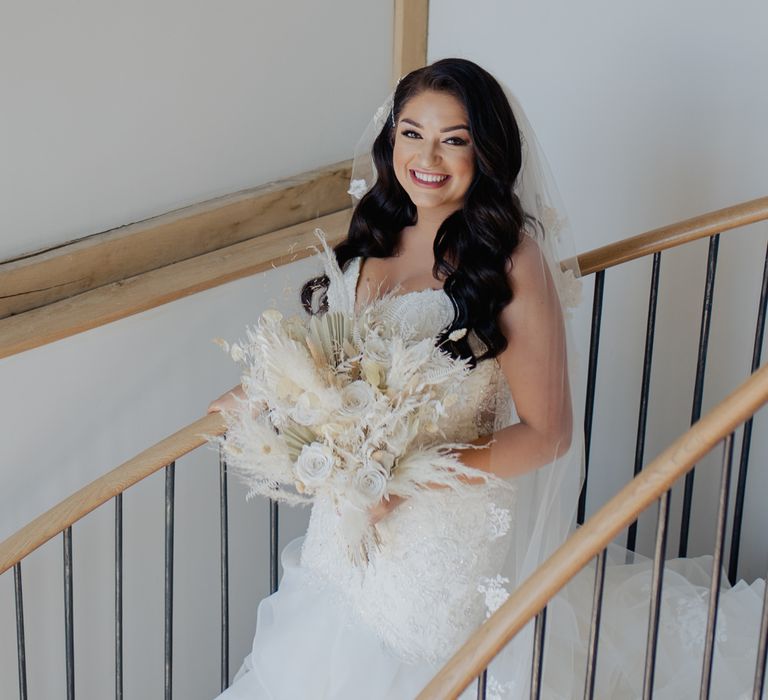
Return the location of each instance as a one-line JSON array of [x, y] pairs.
[[458, 141]]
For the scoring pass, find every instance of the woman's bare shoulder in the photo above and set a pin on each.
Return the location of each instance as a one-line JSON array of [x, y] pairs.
[[527, 269]]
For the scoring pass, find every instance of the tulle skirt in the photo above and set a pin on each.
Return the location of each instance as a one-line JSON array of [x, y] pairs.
[[309, 644]]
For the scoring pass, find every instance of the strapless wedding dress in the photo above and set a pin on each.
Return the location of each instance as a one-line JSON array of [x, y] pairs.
[[336, 631]]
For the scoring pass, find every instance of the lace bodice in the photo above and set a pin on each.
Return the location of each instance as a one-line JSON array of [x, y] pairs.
[[436, 574]]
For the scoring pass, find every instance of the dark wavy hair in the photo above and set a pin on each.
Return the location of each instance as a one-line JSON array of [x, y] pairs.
[[472, 246]]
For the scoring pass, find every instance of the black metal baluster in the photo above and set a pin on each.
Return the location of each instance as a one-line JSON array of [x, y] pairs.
[[482, 682], [594, 627], [21, 648], [273, 535], [657, 582], [762, 650], [698, 389], [746, 441], [119, 596], [650, 332], [537, 666], [717, 564], [170, 479], [224, 549], [69, 634], [594, 347]]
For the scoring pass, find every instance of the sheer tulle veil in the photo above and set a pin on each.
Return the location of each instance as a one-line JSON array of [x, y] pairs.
[[546, 496]]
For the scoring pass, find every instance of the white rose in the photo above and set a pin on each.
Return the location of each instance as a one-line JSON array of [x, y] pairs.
[[314, 464], [356, 397], [376, 348], [306, 410], [357, 188], [383, 461], [370, 484]]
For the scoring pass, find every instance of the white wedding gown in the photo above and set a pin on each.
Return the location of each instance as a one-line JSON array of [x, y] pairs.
[[338, 632]]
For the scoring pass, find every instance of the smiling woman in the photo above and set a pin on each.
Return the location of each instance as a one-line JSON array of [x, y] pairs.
[[443, 206], [441, 247], [433, 156]]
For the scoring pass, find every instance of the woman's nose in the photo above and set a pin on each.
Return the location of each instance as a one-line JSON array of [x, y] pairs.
[[429, 155]]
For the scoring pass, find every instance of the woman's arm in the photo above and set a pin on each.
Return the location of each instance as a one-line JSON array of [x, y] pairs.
[[535, 366]]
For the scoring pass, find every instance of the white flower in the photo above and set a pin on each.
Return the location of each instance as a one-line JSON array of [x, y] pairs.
[[314, 464], [272, 316], [383, 461], [370, 484], [307, 411], [356, 397], [357, 188], [236, 353], [400, 435], [377, 348]]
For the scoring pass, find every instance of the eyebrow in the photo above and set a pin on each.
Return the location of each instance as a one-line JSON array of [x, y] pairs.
[[442, 131]]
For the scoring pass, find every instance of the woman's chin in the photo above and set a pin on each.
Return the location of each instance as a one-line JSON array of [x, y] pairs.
[[435, 205]]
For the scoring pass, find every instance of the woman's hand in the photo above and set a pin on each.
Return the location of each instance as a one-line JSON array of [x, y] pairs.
[[227, 401], [383, 508]]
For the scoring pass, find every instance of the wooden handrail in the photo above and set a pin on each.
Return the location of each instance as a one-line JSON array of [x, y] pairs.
[[592, 537], [102, 489], [673, 235], [82, 502], [640, 492], [38, 279], [111, 302]]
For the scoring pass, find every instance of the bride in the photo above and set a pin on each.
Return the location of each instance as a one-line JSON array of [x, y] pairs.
[[457, 228]]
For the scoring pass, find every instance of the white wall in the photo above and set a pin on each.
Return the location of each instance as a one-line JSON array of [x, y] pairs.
[[110, 114], [115, 112], [649, 113]]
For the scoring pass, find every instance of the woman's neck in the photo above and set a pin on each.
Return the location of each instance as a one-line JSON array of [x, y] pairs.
[[420, 237]]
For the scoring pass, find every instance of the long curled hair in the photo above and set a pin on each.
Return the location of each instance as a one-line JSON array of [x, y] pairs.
[[473, 245]]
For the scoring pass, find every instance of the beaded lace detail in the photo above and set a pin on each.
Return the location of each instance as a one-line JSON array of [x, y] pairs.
[[427, 586]]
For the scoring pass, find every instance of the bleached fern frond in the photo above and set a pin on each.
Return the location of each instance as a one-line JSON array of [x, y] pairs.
[[437, 466], [345, 300]]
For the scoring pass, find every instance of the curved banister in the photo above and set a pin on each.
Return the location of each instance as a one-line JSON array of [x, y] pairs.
[[99, 491], [532, 596], [61, 516], [595, 535], [673, 235]]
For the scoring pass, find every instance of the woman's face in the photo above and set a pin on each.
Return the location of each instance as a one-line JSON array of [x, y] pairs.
[[433, 156]]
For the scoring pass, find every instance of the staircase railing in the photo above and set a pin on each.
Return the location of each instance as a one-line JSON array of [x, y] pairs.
[[527, 601], [59, 520], [653, 243], [521, 608], [530, 599]]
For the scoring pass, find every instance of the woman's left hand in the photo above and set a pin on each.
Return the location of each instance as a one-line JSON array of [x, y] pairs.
[[383, 508]]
